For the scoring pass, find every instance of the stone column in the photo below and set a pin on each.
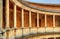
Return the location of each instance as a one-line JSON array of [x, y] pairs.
[[53, 20], [22, 18], [15, 16], [37, 19], [1, 11], [45, 20], [30, 19], [1, 18], [54, 37], [7, 13]]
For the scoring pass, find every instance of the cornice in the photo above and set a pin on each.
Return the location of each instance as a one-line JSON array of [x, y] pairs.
[[41, 9]]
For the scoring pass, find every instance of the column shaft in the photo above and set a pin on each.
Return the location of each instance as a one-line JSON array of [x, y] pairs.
[[30, 19], [15, 16], [53, 20], [22, 18], [7, 13], [37, 19], [45, 20], [1, 13], [54, 37]]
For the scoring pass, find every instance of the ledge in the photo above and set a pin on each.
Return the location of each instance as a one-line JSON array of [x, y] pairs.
[[38, 34], [24, 33]]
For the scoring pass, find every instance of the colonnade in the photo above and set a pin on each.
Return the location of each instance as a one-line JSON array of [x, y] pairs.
[[22, 17], [7, 17]]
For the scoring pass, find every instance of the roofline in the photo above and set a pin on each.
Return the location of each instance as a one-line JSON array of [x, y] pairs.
[[40, 9], [44, 4]]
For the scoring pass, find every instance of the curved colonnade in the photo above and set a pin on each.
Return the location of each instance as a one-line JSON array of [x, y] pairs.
[[31, 30]]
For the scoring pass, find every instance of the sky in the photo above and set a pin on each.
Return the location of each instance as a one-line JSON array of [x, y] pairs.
[[46, 1]]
